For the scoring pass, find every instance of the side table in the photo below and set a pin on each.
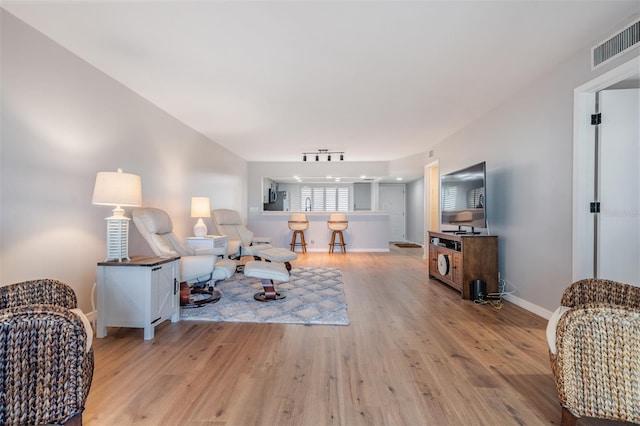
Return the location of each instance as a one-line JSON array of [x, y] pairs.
[[139, 293], [208, 242]]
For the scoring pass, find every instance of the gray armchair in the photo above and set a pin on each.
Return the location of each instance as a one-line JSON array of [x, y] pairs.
[[46, 358]]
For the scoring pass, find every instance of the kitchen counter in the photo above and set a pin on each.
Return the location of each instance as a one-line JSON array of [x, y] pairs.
[[368, 231]]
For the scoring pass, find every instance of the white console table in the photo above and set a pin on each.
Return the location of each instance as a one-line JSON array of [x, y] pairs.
[[139, 293]]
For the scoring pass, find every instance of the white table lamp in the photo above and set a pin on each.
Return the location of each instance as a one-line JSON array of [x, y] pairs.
[[120, 190], [200, 207]]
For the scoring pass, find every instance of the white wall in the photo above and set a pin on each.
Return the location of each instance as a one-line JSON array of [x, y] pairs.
[[63, 121], [527, 144], [407, 167], [258, 170]]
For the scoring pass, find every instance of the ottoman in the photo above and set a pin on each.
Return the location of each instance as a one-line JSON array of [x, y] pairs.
[[268, 273], [276, 254]]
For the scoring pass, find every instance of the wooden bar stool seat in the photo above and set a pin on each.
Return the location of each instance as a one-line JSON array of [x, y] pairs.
[[337, 223], [298, 224]]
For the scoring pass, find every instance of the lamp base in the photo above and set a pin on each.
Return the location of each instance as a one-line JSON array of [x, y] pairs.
[[200, 229], [117, 238]]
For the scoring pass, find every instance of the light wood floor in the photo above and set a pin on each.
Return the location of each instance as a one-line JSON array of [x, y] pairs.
[[414, 354]]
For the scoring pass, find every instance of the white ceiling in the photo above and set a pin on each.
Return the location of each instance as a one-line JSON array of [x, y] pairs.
[[380, 80]]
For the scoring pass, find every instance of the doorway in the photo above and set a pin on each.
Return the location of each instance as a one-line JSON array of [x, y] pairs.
[[431, 202], [392, 201], [585, 243], [432, 188]]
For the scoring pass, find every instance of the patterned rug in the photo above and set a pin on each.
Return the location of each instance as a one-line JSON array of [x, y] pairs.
[[314, 296]]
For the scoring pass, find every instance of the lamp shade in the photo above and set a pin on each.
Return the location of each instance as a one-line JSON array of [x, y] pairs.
[[200, 207], [117, 189]]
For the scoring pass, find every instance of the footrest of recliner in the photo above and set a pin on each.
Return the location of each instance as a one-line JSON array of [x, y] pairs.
[[268, 272]]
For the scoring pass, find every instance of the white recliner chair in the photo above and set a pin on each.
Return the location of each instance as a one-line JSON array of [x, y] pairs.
[[199, 268], [242, 242]]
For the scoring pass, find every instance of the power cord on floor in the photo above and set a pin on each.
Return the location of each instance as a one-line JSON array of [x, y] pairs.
[[494, 303], [495, 299]]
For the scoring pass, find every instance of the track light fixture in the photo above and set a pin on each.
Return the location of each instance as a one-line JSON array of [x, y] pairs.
[[322, 152]]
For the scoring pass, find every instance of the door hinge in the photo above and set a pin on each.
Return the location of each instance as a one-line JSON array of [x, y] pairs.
[[595, 207], [596, 119]]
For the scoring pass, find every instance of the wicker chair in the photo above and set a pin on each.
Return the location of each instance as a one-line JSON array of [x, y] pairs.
[[45, 365], [596, 366]]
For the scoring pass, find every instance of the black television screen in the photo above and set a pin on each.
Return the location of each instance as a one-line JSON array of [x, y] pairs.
[[462, 197]]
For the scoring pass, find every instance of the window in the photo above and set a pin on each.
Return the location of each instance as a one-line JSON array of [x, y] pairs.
[[449, 194], [475, 198], [324, 198]]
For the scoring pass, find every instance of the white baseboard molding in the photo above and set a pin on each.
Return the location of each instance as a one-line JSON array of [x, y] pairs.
[[349, 250], [91, 316], [371, 250], [538, 310]]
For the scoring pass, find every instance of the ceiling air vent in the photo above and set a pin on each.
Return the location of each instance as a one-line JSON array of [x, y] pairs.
[[615, 45]]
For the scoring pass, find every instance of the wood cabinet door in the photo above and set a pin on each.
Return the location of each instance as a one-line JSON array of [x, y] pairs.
[[456, 268], [163, 290], [433, 259]]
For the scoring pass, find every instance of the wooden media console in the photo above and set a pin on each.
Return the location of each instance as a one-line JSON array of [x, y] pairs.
[[457, 259]]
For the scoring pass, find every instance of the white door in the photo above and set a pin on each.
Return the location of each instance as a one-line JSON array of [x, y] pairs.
[[619, 186], [392, 201]]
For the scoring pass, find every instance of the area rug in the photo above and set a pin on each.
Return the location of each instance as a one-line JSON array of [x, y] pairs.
[[314, 296], [408, 245]]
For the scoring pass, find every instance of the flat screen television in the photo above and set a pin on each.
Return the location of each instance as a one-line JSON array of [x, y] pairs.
[[462, 198]]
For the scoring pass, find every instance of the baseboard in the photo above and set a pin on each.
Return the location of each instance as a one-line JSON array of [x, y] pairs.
[[349, 250], [91, 316], [376, 250], [538, 310]]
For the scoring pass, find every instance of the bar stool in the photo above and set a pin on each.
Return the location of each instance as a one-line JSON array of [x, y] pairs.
[[298, 224], [337, 223]]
